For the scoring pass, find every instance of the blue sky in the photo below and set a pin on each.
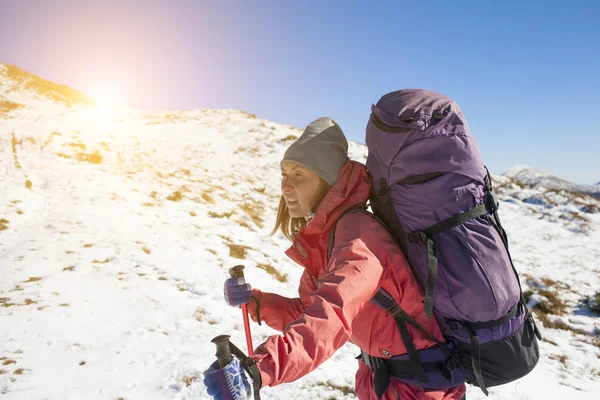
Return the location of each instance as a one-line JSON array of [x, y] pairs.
[[526, 74]]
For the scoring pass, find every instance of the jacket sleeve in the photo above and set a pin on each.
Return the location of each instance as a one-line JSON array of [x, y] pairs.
[[350, 280], [279, 311]]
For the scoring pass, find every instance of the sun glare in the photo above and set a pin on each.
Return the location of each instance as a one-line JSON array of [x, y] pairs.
[[105, 96]]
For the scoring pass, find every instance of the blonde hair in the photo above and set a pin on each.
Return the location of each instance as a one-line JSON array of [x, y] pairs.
[[290, 226]]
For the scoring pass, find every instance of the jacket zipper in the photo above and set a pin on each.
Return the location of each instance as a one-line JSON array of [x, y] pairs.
[[314, 280]]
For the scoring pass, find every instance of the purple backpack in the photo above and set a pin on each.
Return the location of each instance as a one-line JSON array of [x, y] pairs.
[[433, 193]]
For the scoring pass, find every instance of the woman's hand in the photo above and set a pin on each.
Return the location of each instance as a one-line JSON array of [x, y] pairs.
[[229, 382], [237, 292]]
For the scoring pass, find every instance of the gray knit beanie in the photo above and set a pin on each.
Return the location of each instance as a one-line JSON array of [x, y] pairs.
[[322, 148]]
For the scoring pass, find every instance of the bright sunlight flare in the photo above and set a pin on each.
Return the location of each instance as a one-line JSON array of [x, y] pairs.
[[105, 96]]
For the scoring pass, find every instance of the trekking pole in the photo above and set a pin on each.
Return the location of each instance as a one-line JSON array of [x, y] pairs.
[[223, 353], [238, 272], [225, 349]]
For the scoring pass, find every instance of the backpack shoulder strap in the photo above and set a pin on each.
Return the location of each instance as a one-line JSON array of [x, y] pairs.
[[358, 208]]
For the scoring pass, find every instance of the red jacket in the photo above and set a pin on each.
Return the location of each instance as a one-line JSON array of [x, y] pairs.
[[325, 316]]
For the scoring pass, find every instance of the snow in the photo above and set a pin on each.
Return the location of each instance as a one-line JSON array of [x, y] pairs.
[[110, 290]]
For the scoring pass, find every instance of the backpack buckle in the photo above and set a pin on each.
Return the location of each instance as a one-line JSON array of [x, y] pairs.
[[448, 369], [495, 205], [455, 326], [417, 237], [384, 190]]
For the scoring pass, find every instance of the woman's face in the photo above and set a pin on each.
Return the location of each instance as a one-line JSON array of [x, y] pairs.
[[298, 187]]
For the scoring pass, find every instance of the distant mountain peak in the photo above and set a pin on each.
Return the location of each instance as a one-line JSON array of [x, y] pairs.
[[535, 177]]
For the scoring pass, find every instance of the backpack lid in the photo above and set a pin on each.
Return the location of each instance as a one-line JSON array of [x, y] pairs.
[[414, 108]]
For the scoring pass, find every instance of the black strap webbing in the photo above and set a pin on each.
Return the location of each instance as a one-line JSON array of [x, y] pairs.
[[498, 226], [257, 309], [449, 223], [420, 374], [356, 208], [426, 235], [497, 322], [401, 314], [476, 358], [399, 368], [250, 366], [432, 264], [418, 179]]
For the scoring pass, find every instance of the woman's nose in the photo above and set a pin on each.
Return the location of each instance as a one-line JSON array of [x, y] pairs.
[[286, 186]]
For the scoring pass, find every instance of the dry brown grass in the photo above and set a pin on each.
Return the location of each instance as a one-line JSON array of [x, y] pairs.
[[188, 380], [246, 149], [69, 268], [213, 214], [548, 310], [88, 245], [237, 251], [560, 357], [33, 279], [208, 198], [13, 143], [50, 90], [272, 271], [199, 314], [593, 302], [94, 158], [255, 212], [7, 106], [175, 196], [78, 145], [4, 302], [290, 138], [243, 224], [146, 250], [106, 260], [346, 390], [3, 224]]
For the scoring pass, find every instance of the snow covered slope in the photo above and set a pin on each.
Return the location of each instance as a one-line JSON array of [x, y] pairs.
[[117, 228], [534, 177]]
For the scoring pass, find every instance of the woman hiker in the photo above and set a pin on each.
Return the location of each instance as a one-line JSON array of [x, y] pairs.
[[318, 183]]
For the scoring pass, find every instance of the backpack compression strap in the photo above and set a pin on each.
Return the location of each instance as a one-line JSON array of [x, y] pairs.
[[426, 235]]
